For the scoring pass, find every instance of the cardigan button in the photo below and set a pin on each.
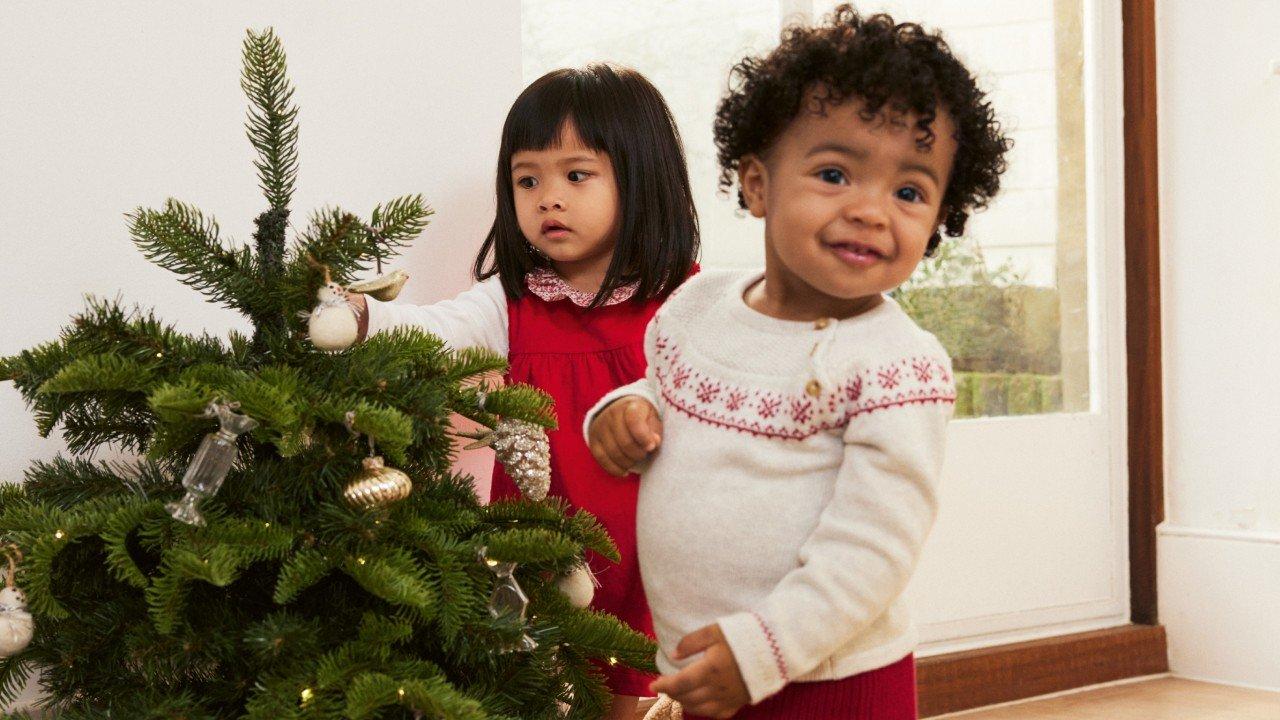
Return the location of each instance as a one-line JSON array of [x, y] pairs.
[[822, 324], [813, 389]]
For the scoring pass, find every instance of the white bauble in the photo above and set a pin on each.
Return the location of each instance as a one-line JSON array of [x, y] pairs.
[[332, 325], [16, 625], [579, 586]]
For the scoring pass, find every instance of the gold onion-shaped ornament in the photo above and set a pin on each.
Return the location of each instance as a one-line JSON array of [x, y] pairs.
[[377, 486]]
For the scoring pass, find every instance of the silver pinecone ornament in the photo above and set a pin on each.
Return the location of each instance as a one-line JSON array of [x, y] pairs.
[[524, 452], [16, 624]]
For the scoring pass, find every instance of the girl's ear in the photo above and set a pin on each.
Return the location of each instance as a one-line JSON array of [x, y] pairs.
[[753, 179]]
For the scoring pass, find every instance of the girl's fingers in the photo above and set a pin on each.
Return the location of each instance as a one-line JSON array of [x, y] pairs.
[[697, 641], [608, 452], [699, 701], [686, 681], [622, 452], [642, 423]]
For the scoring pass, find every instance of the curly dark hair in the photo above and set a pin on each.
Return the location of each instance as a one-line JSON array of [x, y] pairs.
[[883, 63]]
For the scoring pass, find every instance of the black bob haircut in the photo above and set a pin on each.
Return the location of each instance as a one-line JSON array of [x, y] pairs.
[[892, 66], [615, 111]]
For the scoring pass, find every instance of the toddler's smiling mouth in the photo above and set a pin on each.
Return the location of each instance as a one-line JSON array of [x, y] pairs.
[[855, 253]]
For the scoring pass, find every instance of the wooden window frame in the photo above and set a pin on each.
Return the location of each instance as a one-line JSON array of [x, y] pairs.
[[987, 676]]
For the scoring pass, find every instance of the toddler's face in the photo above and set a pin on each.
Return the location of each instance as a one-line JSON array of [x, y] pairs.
[[566, 200], [849, 204]]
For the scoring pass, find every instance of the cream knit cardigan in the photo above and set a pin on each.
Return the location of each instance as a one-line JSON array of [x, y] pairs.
[[795, 484]]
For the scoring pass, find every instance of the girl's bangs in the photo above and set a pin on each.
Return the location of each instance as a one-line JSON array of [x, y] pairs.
[[538, 116]]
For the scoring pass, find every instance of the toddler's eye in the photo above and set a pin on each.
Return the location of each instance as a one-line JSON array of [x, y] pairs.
[[831, 175], [577, 176], [526, 182], [910, 194]]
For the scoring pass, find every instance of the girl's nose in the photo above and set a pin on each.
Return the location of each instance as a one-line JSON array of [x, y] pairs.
[[550, 201], [865, 209]]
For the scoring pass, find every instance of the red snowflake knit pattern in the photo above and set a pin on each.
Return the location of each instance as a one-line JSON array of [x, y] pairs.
[[798, 415]]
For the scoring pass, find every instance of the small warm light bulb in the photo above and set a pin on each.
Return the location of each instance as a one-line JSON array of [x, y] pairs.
[[266, 524], [400, 692], [360, 560], [613, 661], [491, 563], [59, 534], [307, 694]]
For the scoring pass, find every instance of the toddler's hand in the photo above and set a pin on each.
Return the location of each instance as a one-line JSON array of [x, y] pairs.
[[712, 686], [624, 433]]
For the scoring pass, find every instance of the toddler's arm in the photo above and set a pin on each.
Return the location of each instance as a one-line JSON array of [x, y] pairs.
[[860, 555], [625, 426], [475, 318]]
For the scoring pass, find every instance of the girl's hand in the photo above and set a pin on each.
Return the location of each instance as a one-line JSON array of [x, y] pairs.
[[712, 686], [624, 433], [362, 315]]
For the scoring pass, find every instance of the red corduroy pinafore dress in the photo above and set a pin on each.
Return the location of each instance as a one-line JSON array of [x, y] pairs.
[[577, 355]]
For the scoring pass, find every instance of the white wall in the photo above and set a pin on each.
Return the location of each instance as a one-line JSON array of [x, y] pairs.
[[1219, 551], [108, 106]]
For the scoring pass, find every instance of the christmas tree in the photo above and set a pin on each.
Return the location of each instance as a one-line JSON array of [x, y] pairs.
[[306, 586]]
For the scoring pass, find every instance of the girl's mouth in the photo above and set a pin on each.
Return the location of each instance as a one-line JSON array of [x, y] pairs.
[[554, 229], [855, 253]]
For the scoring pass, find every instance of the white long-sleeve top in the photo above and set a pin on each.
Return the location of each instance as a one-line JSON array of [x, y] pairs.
[[478, 317], [795, 483], [475, 318]]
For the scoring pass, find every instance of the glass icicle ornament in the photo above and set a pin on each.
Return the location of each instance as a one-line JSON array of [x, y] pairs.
[[16, 625], [508, 601], [212, 461]]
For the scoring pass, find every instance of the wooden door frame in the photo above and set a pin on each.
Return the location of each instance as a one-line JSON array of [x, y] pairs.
[[975, 678]]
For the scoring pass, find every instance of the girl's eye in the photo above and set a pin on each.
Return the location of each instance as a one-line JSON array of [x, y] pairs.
[[577, 176], [526, 182], [831, 175], [910, 194]]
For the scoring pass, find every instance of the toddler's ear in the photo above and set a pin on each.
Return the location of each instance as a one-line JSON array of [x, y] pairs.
[[753, 180]]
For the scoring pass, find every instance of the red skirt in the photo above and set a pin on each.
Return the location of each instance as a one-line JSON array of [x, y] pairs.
[[887, 693]]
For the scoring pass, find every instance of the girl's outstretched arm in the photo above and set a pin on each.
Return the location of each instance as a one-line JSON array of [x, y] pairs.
[[475, 318]]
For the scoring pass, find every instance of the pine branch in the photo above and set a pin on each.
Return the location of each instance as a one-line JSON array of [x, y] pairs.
[[298, 573], [116, 535], [399, 222], [530, 545], [272, 122], [394, 577], [180, 239], [435, 696]]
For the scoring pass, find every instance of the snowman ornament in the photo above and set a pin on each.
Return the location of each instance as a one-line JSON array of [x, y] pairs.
[[16, 625], [333, 324]]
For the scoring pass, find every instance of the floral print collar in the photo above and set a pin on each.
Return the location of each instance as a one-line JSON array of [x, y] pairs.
[[549, 286]]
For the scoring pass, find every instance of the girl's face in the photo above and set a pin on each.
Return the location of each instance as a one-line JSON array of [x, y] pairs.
[[566, 202], [849, 204]]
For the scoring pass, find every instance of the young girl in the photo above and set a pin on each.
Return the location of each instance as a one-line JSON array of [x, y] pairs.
[[801, 413], [595, 226]]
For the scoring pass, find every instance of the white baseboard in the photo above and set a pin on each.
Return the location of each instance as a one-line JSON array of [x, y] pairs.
[[1219, 595]]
